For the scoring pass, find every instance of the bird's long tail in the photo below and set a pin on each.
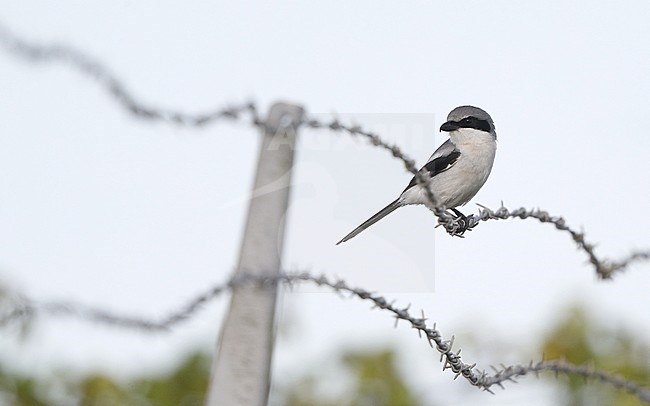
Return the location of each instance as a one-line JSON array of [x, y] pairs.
[[372, 220]]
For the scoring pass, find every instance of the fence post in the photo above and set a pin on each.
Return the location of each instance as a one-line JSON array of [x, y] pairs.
[[240, 370]]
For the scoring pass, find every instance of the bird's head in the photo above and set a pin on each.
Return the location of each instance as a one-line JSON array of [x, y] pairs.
[[469, 120]]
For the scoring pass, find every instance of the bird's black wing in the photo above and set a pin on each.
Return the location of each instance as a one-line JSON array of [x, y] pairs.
[[437, 165]]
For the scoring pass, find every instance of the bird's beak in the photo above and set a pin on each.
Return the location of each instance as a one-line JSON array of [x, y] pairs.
[[449, 126]]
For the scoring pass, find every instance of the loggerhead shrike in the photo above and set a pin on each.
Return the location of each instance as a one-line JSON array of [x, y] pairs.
[[458, 168]]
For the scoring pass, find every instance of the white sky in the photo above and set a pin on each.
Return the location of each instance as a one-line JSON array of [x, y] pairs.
[[103, 209]]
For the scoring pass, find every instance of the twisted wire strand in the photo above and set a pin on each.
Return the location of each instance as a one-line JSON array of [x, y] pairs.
[[450, 358], [605, 268], [95, 70], [98, 72]]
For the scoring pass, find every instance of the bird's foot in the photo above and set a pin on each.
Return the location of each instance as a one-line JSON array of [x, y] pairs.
[[463, 223]]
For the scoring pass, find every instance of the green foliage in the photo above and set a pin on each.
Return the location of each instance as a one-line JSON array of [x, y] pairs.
[[186, 385], [579, 340], [100, 390], [375, 381], [19, 391]]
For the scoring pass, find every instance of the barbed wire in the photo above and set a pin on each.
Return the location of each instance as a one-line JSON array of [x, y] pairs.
[[510, 373], [451, 359], [604, 267], [96, 71], [25, 309], [92, 68], [454, 226]]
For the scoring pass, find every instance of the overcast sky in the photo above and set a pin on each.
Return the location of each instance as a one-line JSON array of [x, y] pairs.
[[102, 208]]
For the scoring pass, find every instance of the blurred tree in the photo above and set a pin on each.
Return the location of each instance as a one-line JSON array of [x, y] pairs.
[[579, 340], [186, 385], [19, 391], [99, 390], [376, 381]]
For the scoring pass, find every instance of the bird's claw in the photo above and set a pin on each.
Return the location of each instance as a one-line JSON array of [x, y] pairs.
[[464, 225], [462, 222]]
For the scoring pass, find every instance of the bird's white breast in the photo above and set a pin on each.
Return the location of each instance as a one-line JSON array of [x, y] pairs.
[[462, 181]]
